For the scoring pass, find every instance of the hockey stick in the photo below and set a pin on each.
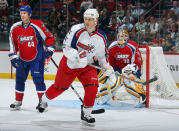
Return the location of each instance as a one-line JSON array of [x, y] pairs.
[[97, 111], [139, 82]]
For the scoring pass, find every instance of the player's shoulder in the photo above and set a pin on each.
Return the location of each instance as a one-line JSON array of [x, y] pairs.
[[19, 23], [113, 45], [101, 32], [78, 27], [37, 22], [133, 43]]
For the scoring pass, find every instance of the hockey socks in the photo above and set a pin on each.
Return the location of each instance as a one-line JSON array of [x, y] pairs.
[[40, 95], [90, 95], [19, 96]]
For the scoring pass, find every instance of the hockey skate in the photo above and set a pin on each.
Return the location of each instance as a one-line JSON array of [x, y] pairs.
[[142, 99], [86, 116], [16, 105], [42, 106]]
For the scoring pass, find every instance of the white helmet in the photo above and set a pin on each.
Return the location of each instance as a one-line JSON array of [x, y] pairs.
[[91, 13]]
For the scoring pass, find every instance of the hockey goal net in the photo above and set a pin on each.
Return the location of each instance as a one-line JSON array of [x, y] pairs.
[[162, 93]]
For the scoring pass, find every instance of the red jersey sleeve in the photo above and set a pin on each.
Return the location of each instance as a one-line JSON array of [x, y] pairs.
[[111, 58], [138, 56], [45, 33]]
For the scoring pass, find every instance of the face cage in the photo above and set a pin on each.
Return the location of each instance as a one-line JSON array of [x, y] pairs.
[[122, 39]]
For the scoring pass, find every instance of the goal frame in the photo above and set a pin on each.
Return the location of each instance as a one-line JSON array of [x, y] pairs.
[[147, 73]]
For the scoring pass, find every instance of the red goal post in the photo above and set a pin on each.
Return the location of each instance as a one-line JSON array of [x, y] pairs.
[[162, 93]]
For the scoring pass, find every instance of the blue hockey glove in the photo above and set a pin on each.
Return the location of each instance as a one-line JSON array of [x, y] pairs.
[[15, 62], [48, 54], [49, 51]]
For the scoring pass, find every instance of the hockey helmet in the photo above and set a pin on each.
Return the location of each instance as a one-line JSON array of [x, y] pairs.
[[26, 8], [122, 36], [91, 13]]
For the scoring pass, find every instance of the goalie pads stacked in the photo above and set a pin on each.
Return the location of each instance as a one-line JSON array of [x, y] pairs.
[[117, 88]]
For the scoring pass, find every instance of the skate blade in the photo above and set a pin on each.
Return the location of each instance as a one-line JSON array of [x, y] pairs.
[[87, 124], [15, 109], [43, 111]]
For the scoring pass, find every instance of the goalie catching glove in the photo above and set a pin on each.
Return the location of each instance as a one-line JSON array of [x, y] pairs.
[[130, 69], [107, 70]]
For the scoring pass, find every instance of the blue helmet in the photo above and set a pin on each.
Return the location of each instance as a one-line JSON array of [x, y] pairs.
[[26, 8]]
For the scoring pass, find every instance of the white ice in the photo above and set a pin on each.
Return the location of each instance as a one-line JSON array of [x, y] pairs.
[[64, 114]]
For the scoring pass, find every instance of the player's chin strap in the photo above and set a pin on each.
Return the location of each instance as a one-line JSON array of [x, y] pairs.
[[139, 82], [97, 111]]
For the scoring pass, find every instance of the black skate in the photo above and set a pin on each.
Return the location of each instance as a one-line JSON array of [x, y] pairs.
[[86, 116], [142, 101], [42, 106], [16, 105]]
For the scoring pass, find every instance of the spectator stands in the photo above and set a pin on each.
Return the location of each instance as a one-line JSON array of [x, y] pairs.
[[152, 22]]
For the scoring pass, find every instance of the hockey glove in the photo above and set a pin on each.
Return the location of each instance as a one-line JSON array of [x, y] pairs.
[[49, 52], [107, 70], [130, 69], [82, 59], [15, 62]]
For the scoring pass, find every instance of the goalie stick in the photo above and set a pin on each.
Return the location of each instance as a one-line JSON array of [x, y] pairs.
[[139, 82], [97, 111]]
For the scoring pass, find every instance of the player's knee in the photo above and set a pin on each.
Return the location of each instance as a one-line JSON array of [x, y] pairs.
[[20, 86], [39, 83], [58, 87]]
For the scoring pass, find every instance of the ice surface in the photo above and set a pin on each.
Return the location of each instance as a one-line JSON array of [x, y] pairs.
[[64, 113]]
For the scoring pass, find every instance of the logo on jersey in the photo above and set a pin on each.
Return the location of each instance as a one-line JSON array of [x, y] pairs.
[[22, 39], [119, 56], [88, 47]]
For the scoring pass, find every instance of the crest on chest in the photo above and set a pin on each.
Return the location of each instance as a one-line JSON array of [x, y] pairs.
[[122, 56], [89, 48], [22, 38]]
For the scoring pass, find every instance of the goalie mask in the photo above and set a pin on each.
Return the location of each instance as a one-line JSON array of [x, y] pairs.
[[122, 37]]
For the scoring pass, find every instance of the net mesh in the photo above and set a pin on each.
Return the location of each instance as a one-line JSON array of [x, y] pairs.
[[162, 93]]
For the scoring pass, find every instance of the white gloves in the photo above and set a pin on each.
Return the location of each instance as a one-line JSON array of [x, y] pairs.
[[82, 59], [130, 69], [72, 55], [78, 58], [107, 70]]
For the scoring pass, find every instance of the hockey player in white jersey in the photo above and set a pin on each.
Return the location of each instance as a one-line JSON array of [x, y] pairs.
[[82, 44]]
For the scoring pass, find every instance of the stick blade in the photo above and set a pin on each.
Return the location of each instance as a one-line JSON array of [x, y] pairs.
[[151, 80], [98, 111]]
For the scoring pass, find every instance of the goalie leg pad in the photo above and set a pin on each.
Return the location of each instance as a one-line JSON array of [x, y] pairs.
[[134, 89], [103, 94]]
